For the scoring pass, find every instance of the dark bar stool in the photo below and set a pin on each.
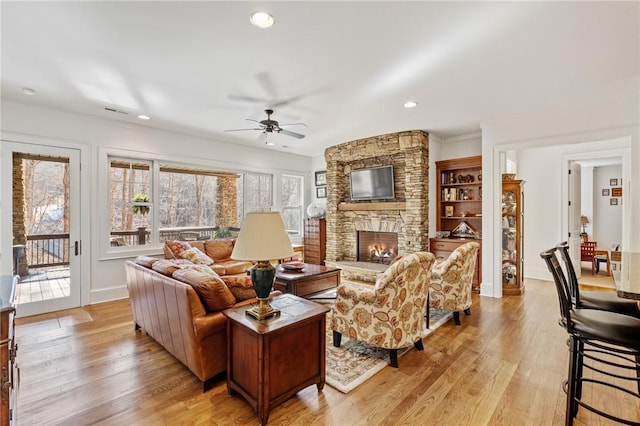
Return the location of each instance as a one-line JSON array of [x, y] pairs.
[[605, 339], [594, 299]]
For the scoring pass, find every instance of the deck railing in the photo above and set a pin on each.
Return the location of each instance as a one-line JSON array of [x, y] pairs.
[[44, 250]]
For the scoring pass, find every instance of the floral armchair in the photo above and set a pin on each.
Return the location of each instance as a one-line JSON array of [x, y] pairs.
[[450, 288], [389, 314]]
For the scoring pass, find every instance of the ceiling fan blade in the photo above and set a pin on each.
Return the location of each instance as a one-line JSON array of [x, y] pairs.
[[247, 99], [292, 124], [241, 130], [265, 80], [289, 133], [254, 121]]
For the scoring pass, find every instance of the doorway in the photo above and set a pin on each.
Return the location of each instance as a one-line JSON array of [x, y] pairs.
[[595, 214], [45, 226]]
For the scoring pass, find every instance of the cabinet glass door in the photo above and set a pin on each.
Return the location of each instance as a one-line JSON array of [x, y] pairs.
[[509, 238]]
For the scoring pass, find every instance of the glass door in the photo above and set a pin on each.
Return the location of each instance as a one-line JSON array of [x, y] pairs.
[[45, 225]]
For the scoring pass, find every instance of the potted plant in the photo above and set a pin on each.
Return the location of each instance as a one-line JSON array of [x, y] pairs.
[[140, 209]]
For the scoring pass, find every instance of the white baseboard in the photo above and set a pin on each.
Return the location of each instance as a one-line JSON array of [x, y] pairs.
[[108, 294]]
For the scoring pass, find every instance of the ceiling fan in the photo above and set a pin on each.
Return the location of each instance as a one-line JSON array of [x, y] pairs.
[[272, 126]]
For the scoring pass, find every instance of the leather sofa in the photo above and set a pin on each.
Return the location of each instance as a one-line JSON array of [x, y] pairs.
[[173, 313]]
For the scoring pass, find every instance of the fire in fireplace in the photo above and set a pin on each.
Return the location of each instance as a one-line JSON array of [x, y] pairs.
[[377, 247]]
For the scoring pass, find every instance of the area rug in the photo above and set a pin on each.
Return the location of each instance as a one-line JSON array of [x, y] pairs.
[[354, 362]]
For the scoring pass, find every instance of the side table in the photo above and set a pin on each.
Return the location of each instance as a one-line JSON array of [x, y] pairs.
[[270, 360]]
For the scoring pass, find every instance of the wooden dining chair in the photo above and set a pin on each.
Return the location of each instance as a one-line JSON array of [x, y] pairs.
[[587, 254]]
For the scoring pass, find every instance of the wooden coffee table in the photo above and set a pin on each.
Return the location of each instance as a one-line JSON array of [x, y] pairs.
[[313, 279], [270, 360]]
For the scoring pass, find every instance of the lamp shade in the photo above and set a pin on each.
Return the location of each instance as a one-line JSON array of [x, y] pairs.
[[262, 237], [584, 220]]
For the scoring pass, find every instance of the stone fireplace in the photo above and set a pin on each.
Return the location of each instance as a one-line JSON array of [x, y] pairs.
[[407, 215], [377, 247]]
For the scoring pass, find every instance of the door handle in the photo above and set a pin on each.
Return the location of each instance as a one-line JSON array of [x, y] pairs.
[[76, 248]]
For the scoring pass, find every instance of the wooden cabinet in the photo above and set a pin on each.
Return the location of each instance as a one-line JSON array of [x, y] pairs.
[[512, 237], [442, 248], [458, 207], [9, 374], [270, 360], [315, 237]]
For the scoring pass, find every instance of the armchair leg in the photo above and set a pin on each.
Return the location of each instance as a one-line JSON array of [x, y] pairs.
[[418, 345], [393, 354], [337, 338], [456, 317], [467, 311]]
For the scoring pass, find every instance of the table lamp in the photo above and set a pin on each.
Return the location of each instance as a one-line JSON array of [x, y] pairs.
[[262, 238], [583, 221]]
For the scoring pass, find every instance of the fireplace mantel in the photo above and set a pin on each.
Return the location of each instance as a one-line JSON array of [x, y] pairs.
[[394, 205]]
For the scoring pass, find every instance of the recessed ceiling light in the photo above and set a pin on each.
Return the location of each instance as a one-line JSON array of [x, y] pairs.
[[144, 117], [410, 104], [28, 91], [262, 19]]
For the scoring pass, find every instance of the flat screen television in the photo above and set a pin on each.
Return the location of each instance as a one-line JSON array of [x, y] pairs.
[[374, 183]]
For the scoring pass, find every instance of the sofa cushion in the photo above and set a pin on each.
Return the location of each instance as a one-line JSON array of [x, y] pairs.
[[233, 267], [201, 268], [146, 261], [219, 250], [173, 249], [240, 285], [196, 256], [169, 266], [213, 292]]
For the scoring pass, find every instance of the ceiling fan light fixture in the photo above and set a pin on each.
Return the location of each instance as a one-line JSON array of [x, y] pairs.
[[262, 19], [269, 143], [410, 104], [144, 117]]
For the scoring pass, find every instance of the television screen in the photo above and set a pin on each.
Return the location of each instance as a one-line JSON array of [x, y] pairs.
[[372, 184]]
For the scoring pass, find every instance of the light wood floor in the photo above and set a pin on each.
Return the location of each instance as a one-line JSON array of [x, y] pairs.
[[503, 366]]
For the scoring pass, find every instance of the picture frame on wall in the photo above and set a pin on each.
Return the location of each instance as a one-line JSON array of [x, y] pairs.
[[605, 192], [321, 178], [613, 182], [616, 192], [321, 192], [613, 201]]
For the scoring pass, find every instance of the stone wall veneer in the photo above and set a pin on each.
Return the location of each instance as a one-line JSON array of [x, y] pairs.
[[408, 152]]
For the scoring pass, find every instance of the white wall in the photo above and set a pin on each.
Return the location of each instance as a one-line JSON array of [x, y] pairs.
[[24, 123], [586, 197], [607, 218], [582, 131]]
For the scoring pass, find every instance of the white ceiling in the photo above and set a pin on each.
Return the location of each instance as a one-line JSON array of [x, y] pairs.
[[343, 68]]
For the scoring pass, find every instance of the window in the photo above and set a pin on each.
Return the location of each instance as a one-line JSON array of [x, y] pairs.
[[130, 202], [258, 192], [190, 202], [291, 202]]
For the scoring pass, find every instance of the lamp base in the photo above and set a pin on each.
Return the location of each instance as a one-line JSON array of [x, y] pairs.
[[263, 309]]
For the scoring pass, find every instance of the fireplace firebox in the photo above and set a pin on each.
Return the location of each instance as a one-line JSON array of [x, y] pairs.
[[377, 247]]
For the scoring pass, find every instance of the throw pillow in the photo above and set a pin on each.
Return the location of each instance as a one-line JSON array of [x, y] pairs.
[[146, 261], [236, 267], [201, 268], [173, 249], [169, 266], [196, 256], [213, 292], [219, 249], [240, 285]]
